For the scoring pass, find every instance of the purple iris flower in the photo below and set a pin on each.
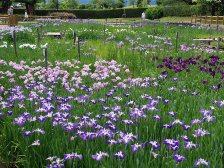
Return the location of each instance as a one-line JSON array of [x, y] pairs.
[[200, 162], [27, 133], [135, 147], [99, 156], [178, 158], [119, 155], [189, 145], [200, 132], [172, 114], [157, 117], [154, 144], [72, 156], [20, 121], [172, 144]]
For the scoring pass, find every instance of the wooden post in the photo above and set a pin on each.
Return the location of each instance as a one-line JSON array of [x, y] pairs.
[[45, 57], [74, 38], [217, 20], [200, 19], [41, 28], [14, 43], [104, 33], [79, 49], [218, 44], [38, 37], [177, 37], [206, 19], [217, 27]]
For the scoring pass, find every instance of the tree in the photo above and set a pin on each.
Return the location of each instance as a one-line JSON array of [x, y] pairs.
[[120, 3], [101, 4], [132, 2], [5, 5], [69, 4], [30, 5], [171, 2], [214, 5], [145, 3], [53, 4], [139, 3]]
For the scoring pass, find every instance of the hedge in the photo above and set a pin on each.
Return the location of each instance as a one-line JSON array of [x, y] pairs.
[[91, 14], [183, 10], [176, 10]]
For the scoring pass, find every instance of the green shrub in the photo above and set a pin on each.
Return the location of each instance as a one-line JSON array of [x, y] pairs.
[[182, 10], [94, 14], [154, 13]]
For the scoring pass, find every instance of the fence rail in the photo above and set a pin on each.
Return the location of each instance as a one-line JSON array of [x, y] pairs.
[[11, 20], [218, 20], [4, 20]]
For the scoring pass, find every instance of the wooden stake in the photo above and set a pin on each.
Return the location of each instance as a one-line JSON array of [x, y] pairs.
[[104, 33], [74, 38], [218, 44], [14, 43], [79, 49], [217, 27]]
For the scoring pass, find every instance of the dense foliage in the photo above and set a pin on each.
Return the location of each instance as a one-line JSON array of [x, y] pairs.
[[91, 13], [175, 10], [154, 13]]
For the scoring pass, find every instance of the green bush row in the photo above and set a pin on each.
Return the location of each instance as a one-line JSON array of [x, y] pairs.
[[176, 10], [91, 14]]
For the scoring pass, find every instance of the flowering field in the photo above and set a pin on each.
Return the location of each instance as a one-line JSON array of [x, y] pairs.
[[138, 97]]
